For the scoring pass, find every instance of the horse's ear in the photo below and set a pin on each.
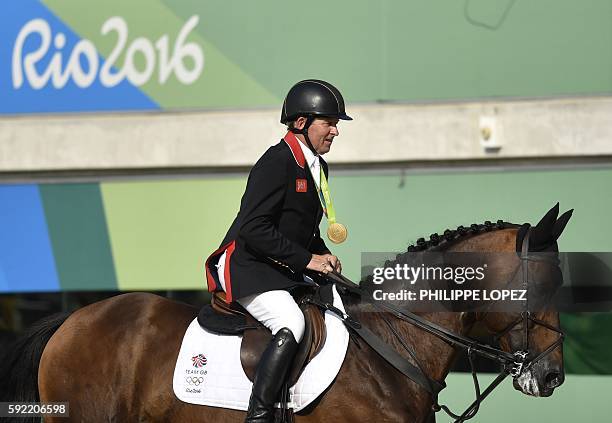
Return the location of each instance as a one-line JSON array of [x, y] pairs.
[[560, 224], [549, 219], [541, 234]]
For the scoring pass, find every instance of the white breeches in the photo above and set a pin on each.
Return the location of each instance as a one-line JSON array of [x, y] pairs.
[[274, 309]]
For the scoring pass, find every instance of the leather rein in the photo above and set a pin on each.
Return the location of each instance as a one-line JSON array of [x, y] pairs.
[[514, 364]]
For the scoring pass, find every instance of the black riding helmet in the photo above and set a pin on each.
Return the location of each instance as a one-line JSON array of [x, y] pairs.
[[312, 98]]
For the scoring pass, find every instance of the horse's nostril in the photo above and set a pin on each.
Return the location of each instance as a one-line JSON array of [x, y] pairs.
[[553, 379]]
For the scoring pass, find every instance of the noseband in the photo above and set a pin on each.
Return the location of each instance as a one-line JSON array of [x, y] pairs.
[[514, 364]]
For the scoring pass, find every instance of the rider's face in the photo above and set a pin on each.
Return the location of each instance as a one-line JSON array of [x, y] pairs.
[[321, 132]]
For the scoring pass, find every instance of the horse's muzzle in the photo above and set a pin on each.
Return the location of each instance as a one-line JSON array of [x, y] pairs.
[[540, 380]]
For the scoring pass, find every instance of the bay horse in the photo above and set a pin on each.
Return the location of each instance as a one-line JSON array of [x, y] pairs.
[[114, 360]]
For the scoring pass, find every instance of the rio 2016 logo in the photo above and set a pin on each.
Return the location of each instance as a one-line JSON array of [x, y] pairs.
[[167, 64]]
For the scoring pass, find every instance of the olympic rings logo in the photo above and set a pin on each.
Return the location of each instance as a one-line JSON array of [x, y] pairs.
[[193, 380]]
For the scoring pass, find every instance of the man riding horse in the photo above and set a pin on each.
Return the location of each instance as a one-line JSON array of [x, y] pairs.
[[275, 235]]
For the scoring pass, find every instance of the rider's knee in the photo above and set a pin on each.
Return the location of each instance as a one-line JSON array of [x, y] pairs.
[[296, 325]]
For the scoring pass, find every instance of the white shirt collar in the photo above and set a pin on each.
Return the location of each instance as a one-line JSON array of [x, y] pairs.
[[310, 157]]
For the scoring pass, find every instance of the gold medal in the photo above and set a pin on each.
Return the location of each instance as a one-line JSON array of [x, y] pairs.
[[337, 233]]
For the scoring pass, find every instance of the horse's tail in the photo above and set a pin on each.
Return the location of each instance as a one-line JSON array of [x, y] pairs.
[[19, 364]]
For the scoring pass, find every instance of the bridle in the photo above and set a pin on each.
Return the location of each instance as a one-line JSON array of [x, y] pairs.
[[526, 317], [513, 364]]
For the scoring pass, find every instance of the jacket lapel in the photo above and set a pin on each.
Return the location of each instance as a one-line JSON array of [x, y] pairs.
[[294, 145]]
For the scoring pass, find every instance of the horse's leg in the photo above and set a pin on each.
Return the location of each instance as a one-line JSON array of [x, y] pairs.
[[114, 361]]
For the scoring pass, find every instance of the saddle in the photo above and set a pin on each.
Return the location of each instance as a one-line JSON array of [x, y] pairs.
[[232, 319]]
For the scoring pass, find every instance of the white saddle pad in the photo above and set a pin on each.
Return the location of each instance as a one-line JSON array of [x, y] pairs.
[[208, 369]]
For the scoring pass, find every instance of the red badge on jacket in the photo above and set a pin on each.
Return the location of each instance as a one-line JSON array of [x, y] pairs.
[[300, 185]]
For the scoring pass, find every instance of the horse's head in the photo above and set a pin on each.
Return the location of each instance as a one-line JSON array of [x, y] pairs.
[[533, 332]]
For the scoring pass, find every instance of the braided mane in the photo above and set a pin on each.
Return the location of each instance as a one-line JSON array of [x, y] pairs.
[[448, 237], [452, 235]]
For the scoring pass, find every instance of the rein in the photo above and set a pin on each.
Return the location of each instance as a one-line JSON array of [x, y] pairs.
[[514, 364]]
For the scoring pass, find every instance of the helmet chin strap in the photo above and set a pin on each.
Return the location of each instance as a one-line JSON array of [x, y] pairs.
[[304, 131]]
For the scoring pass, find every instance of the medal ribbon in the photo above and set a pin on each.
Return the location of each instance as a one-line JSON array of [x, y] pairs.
[[325, 198]]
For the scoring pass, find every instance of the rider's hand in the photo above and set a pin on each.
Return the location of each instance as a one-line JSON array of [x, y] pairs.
[[324, 263]]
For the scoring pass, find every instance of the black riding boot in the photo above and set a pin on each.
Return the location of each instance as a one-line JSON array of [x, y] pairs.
[[270, 376]]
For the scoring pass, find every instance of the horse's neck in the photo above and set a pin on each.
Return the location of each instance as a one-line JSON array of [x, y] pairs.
[[435, 356]]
